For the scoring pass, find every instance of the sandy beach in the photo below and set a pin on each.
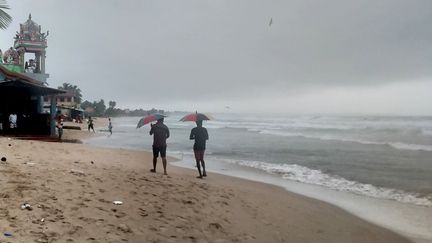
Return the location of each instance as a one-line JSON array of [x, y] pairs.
[[71, 189]]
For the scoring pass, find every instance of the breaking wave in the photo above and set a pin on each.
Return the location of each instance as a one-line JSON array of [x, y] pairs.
[[303, 174], [396, 145]]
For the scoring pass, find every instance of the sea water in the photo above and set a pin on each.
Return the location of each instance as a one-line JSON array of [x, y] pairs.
[[378, 167]]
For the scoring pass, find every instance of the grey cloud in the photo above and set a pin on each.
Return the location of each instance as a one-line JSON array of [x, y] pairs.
[[189, 51]]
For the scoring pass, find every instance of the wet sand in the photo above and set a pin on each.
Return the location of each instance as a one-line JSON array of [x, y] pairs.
[[71, 189]]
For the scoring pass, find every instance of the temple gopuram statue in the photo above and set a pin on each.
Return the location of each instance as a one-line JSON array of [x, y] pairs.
[[29, 39], [23, 84]]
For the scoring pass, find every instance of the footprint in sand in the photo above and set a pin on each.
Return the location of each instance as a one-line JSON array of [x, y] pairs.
[[102, 209], [144, 214], [103, 200], [74, 229], [120, 215], [88, 220], [124, 228]]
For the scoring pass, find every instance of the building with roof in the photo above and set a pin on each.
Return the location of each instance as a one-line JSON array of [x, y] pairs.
[[23, 83], [67, 104]]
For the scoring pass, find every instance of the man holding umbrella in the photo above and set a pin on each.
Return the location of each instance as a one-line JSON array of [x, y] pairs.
[[199, 133], [160, 134]]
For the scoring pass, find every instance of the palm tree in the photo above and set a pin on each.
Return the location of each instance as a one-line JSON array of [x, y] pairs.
[[5, 18], [74, 89]]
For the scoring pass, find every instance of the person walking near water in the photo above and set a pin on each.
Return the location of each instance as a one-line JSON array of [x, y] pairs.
[[160, 134], [110, 126], [90, 124], [200, 135]]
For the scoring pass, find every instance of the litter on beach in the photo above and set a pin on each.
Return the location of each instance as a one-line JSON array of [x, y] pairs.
[[118, 202], [26, 206]]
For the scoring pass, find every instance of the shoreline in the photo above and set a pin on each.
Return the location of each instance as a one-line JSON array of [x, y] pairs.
[[74, 190], [409, 231], [405, 219], [398, 222]]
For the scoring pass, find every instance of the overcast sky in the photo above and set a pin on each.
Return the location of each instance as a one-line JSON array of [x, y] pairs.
[[367, 56]]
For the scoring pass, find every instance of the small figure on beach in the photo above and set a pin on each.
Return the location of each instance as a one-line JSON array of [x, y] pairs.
[[13, 121], [160, 134], [78, 119], [60, 128], [200, 135], [110, 125], [90, 124]]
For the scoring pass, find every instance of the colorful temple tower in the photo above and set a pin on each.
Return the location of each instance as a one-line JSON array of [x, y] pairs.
[[23, 83], [31, 40]]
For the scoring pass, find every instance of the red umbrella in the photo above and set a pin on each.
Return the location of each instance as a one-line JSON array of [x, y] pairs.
[[149, 118], [196, 117]]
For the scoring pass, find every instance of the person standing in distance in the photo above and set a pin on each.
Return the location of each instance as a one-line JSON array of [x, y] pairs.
[[13, 120], [110, 126], [199, 133], [60, 129], [160, 134]]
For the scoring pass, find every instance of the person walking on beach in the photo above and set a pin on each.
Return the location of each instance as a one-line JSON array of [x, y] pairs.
[[60, 129], [110, 126], [200, 135], [90, 124], [13, 120], [160, 134]]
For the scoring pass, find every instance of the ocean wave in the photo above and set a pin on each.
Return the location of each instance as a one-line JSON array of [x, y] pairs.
[[303, 174], [426, 132], [406, 146], [396, 145]]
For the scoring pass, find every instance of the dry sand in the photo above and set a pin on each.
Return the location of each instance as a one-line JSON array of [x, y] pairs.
[[71, 189]]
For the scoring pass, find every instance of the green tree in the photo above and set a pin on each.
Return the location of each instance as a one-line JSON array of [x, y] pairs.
[[99, 107], [111, 111], [112, 104], [86, 104], [5, 18], [74, 89]]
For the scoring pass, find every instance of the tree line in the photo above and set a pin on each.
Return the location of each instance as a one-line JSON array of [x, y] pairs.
[[98, 107]]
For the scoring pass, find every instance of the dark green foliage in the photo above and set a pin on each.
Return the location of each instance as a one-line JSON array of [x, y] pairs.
[[5, 18], [73, 88]]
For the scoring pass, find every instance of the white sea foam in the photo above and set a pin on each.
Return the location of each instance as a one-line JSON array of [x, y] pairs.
[[397, 145], [305, 175], [411, 146], [281, 124]]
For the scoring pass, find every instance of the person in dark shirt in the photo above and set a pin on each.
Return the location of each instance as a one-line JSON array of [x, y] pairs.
[[199, 133], [90, 124], [160, 134], [110, 126]]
